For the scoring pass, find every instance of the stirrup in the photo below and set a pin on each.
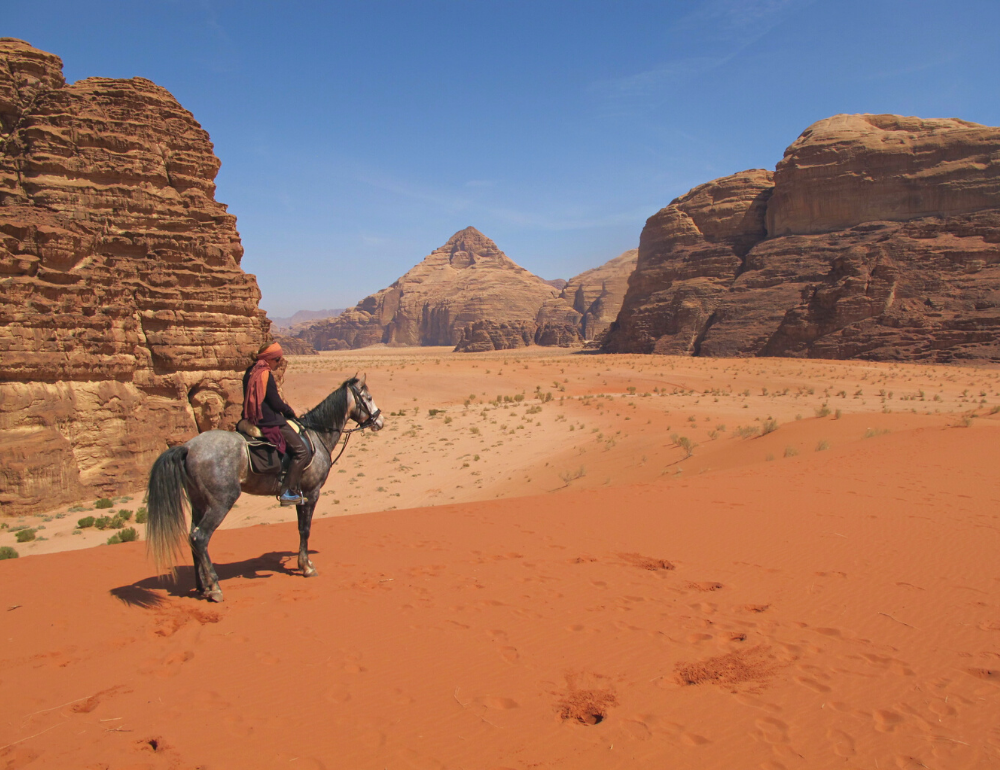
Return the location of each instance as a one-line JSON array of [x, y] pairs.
[[290, 498]]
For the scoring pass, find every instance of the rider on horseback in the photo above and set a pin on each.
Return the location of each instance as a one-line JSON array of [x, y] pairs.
[[264, 407]]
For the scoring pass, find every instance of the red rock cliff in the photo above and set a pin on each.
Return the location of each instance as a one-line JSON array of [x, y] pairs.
[[126, 319], [878, 238]]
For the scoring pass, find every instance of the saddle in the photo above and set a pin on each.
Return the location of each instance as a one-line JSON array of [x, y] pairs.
[[263, 456]]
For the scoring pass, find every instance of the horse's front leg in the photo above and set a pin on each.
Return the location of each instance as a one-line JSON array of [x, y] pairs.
[[305, 513]]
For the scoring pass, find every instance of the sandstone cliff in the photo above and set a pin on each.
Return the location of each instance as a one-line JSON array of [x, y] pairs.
[[876, 237], [439, 302], [597, 294], [126, 319]]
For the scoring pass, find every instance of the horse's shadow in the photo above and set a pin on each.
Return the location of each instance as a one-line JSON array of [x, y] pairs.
[[142, 593]]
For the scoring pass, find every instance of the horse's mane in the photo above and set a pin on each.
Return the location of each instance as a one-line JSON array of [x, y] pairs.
[[331, 413]]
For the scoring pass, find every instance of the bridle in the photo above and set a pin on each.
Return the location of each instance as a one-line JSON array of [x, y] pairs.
[[346, 432], [372, 416]]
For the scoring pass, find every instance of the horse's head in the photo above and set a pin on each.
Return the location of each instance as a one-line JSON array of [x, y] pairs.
[[364, 412]]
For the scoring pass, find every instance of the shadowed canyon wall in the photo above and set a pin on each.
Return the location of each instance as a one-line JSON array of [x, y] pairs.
[[126, 319], [877, 236]]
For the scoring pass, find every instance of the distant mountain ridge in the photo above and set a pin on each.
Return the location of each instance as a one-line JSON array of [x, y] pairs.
[[467, 294], [283, 323]]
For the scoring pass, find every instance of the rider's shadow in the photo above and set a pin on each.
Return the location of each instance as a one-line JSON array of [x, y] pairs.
[[143, 593]]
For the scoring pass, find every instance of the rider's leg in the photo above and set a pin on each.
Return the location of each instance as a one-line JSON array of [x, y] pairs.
[[296, 447]]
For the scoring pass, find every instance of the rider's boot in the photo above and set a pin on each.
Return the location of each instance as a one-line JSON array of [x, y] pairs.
[[288, 497]]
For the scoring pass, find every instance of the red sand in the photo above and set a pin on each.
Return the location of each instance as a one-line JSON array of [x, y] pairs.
[[835, 609]]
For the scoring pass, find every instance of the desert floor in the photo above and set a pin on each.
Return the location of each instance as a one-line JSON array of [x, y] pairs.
[[568, 560]]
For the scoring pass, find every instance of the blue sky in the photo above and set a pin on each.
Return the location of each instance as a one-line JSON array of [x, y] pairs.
[[356, 137]]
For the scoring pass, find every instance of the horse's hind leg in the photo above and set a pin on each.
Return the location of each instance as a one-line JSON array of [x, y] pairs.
[[202, 529], [305, 513]]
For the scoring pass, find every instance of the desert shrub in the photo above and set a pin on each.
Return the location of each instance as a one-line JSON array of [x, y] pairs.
[[769, 426], [141, 515], [117, 522], [823, 411], [823, 445], [447, 420], [124, 513], [6, 552], [128, 534], [103, 503], [747, 431], [102, 522], [791, 451], [25, 535], [434, 412], [519, 397], [86, 521], [837, 415], [967, 422], [873, 432], [474, 430], [114, 539]]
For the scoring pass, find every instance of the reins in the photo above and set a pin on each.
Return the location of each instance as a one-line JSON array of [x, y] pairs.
[[372, 416]]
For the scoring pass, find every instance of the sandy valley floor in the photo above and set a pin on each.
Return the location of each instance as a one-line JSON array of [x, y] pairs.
[[569, 560]]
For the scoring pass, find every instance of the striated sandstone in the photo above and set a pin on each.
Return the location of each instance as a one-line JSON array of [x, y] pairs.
[[597, 294], [879, 239], [126, 318], [468, 280]]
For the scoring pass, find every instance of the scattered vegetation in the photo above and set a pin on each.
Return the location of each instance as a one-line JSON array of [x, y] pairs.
[[568, 476], [823, 411], [6, 552], [791, 451], [86, 521], [769, 426], [823, 445], [747, 431], [873, 432], [683, 442], [103, 503], [24, 535], [141, 515]]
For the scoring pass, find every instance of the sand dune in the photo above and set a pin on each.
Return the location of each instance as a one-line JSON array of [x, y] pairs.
[[820, 596]]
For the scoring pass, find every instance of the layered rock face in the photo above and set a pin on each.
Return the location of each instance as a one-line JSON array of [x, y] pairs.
[[597, 294], [126, 319], [467, 281], [877, 237]]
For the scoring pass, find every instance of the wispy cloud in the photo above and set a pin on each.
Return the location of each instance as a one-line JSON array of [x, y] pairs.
[[723, 29], [453, 203]]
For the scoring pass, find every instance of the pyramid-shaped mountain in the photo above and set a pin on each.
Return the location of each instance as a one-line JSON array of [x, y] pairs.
[[465, 283]]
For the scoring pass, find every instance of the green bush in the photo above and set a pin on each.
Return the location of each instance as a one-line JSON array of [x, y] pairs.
[[102, 522], [103, 503], [125, 514], [6, 552], [86, 521], [117, 522], [114, 539], [128, 534], [25, 535], [141, 515], [769, 426]]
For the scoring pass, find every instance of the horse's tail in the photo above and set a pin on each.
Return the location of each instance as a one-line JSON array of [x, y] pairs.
[[166, 500]]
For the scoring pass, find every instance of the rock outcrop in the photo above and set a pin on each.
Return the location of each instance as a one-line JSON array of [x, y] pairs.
[[438, 302], [878, 237], [597, 294], [126, 319]]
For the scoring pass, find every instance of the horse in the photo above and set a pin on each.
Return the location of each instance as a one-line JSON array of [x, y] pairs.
[[212, 470]]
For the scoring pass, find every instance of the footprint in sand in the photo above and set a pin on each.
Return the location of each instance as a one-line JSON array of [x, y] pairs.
[[843, 744], [886, 720], [812, 684], [771, 730]]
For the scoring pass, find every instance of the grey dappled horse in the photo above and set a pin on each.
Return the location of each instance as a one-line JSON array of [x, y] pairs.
[[212, 470]]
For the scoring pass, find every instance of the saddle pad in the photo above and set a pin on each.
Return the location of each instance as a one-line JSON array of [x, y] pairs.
[[264, 457]]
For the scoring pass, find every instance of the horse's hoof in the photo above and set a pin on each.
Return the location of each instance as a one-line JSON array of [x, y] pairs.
[[214, 596], [309, 571]]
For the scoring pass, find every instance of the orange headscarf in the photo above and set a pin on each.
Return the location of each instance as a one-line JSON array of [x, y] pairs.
[[257, 385]]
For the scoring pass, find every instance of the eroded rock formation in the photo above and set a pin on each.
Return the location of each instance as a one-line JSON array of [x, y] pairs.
[[878, 236], [126, 319], [597, 294], [465, 282]]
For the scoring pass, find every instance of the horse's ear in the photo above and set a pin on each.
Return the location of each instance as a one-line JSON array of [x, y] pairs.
[[361, 382]]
